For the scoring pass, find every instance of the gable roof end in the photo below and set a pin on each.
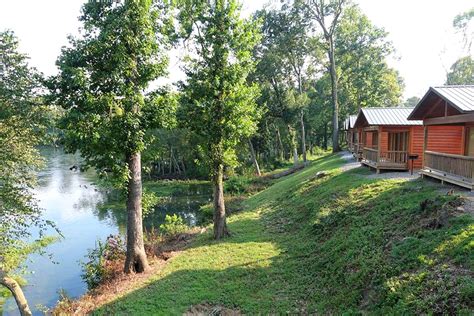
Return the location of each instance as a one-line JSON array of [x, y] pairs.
[[460, 97], [386, 116]]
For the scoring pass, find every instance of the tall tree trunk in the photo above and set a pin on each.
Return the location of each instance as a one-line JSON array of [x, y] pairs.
[[335, 116], [220, 225], [325, 137], [136, 260], [295, 155], [17, 293], [280, 143], [303, 136], [254, 159], [294, 145]]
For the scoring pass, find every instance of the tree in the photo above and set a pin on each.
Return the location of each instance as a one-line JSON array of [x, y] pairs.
[[365, 79], [101, 84], [462, 72], [327, 14], [282, 70], [411, 102], [218, 103], [462, 23], [21, 129]]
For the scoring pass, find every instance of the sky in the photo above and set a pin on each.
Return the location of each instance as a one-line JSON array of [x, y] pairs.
[[420, 30]]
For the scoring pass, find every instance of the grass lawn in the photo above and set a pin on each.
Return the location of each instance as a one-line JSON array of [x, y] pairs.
[[341, 243]]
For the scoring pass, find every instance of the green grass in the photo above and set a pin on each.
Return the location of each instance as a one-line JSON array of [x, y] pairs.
[[174, 187], [340, 244]]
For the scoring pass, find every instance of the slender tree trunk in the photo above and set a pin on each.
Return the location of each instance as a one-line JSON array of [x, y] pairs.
[[136, 260], [295, 156], [280, 144], [171, 161], [220, 225], [254, 159], [325, 137], [177, 168], [335, 116], [294, 145], [17, 293], [303, 136]]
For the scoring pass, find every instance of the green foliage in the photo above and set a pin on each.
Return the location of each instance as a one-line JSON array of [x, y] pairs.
[[103, 74], [462, 72], [463, 23], [173, 226], [149, 201], [365, 78], [22, 127], [411, 102], [345, 243], [218, 103], [237, 185], [94, 270]]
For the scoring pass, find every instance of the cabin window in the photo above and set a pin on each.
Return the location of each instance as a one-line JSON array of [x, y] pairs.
[[398, 141]]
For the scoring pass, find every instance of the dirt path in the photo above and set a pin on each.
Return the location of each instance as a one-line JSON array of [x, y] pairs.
[[352, 163]]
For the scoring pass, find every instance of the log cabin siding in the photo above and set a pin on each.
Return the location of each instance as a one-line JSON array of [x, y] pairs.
[[368, 139], [416, 142], [446, 139]]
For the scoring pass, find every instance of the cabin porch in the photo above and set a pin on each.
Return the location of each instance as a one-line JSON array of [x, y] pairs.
[[455, 169], [387, 148], [393, 159]]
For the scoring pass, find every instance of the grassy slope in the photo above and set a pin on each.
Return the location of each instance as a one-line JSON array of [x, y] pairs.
[[340, 243]]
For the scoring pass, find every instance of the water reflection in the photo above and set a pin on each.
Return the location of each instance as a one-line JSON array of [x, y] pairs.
[[84, 214]]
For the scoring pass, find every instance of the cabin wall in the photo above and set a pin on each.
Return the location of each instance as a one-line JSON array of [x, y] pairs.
[[417, 136], [368, 139], [415, 140], [446, 139]]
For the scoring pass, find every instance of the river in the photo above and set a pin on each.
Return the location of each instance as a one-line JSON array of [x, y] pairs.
[[80, 210]]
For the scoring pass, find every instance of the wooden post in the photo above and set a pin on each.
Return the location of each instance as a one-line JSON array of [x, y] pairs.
[[379, 145], [425, 145]]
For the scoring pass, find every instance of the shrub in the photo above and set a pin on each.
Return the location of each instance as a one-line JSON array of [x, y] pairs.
[[173, 225], [94, 271], [237, 185]]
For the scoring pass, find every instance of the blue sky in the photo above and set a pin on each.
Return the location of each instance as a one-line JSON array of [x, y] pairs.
[[421, 31]]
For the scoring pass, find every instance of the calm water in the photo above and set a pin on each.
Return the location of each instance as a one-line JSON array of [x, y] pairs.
[[80, 210]]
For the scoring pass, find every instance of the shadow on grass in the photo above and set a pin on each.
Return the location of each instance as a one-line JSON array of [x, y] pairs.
[[341, 243]]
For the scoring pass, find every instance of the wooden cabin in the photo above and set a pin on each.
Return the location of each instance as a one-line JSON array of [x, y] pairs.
[[352, 138], [448, 118], [389, 138]]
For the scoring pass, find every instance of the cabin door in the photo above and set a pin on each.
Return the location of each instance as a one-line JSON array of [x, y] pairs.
[[398, 147], [398, 141], [470, 142]]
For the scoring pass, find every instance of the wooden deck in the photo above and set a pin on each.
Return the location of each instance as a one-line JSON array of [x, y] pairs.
[[455, 169], [388, 160]]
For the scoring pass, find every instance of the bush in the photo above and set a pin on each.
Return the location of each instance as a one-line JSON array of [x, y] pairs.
[[94, 271], [237, 185], [173, 225]]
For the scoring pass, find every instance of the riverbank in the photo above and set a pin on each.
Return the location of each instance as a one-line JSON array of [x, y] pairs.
[[331, 243]]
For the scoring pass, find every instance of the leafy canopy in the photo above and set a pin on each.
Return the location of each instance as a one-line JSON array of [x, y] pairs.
[[462, 72], [218, 102], [103, 78], [21, 129]]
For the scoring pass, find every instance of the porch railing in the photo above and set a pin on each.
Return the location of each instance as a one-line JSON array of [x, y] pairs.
[[370, 154], [448, 164], [358, 147], [385, 157], [394, 156]]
